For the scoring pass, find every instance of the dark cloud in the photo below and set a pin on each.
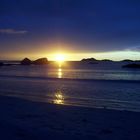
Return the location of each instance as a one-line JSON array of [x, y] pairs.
[[92, 25], [12, 31]]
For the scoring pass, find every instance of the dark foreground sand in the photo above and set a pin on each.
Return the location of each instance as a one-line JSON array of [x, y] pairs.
[[26, 120]]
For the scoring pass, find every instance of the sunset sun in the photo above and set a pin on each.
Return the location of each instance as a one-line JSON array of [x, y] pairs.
[[60, 57]]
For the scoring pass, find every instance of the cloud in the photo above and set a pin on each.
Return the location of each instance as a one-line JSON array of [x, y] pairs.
[[137, 48], [12, 31]]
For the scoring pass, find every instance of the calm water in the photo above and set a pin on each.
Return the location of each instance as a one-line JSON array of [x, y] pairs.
[[104, 85], [102, 71]]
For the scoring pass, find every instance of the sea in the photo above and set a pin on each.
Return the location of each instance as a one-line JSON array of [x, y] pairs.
[[93, 85]]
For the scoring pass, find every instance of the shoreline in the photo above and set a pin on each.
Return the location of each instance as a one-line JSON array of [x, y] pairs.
[[24, 119], [103, 94], [51, 101]]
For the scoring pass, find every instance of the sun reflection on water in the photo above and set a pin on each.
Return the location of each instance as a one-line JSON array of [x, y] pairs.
[[59, 98], [59, 73]]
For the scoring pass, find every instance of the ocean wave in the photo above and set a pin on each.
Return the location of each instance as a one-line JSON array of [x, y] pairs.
[[68, 79]]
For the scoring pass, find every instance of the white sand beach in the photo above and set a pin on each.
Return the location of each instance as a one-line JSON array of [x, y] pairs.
[[27, 120]]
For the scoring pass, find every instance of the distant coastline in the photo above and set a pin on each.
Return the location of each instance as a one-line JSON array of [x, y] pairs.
[[127, 63], [84, 59]]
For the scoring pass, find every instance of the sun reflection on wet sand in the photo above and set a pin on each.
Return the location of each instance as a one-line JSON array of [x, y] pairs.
[[59, 98]]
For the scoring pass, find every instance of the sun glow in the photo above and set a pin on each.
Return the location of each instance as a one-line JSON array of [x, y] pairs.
[[60, 57]]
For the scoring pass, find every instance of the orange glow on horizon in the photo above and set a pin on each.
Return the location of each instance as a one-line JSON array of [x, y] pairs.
[[72, 56]]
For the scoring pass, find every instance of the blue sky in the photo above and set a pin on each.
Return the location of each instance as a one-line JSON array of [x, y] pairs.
[[81, 26]]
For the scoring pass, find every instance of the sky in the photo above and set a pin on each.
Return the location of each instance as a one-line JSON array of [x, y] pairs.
[[104, 29]]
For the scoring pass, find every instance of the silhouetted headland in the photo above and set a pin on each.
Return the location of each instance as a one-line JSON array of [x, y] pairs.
[[26, 61], [132, 66], [90, 60], [106, 60], [40, 61], [127, 60]]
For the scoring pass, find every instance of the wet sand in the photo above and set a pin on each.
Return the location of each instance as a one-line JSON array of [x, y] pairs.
[[27, 120]]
